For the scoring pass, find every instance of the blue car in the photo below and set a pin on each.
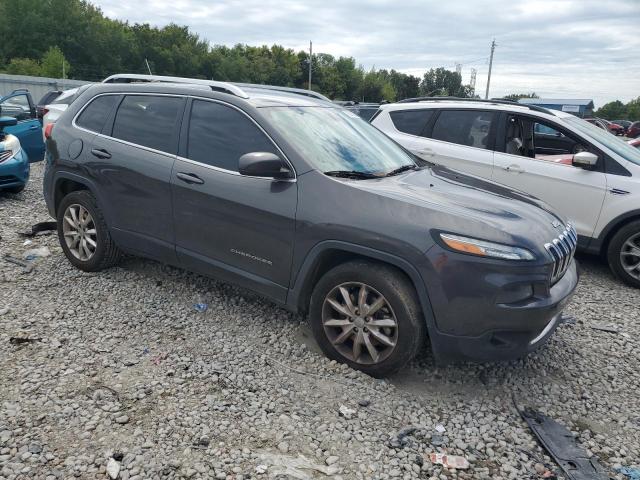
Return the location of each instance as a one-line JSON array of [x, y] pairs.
[[19, 105], [14, 162]]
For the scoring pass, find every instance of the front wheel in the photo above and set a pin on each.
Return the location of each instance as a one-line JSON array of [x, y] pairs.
[[623, 254], [366, 315]]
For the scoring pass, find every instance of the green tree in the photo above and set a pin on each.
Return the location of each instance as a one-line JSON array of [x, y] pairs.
[[612, 110], [443, 82], [514, 97], [23, 66], [52, 63]]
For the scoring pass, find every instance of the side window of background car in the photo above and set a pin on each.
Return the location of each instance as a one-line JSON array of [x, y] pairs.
[[464, 127], [94, 116], [411, 121], [148, 121], [220, 135]]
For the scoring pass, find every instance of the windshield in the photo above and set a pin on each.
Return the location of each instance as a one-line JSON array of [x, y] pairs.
[[333, 139], [607, 139]]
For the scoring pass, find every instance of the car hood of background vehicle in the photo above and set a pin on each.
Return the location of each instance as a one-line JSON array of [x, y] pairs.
[[459, 196]]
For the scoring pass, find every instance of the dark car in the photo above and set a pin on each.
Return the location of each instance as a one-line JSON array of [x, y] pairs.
[[634, 130], [317, 210], [46, 99], [362, 109], [625, 124]]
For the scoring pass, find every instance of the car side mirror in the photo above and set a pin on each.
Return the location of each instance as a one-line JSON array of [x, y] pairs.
[[264, 164], [584, 160], [7, 122]]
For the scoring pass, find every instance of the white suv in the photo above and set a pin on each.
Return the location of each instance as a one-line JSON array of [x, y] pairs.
[[586, 173]]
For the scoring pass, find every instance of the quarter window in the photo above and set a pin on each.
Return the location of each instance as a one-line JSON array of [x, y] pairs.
[[464, 127], [220, 135], [148, 121], [411, 121], [95, 115]]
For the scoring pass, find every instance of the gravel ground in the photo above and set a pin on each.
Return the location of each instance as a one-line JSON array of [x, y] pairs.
[[128, 374]]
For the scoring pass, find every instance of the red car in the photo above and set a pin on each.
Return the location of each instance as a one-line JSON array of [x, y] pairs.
[[607, 125], [635, 143], [634, 130]]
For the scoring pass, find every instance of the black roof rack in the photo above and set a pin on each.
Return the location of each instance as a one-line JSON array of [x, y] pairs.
[[496, 101]]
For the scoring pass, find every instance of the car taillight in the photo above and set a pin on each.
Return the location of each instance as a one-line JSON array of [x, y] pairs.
[[48, 129]]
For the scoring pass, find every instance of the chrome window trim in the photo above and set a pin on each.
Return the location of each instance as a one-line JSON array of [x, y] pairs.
[[178, 157]]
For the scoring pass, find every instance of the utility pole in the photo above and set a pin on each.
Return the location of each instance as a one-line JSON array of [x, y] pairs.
[[493, 47], [148, 67], [472, 83], [63, 73], [310, 61]]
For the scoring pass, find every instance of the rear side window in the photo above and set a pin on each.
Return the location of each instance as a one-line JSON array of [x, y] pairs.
[[464, 127], [220, 135], [148, 121], [411, 121], [94, 116]]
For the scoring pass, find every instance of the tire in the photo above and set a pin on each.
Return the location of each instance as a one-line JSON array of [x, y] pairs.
[[105, 254], [399, 303], [17, 189], [622, 262]]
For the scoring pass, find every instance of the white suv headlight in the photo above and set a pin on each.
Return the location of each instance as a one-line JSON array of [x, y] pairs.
[[9, 147], [482, 248]]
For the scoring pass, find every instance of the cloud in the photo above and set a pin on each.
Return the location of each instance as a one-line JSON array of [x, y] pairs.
[[561, 48]]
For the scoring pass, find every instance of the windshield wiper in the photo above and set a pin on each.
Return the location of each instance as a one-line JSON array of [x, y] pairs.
[[351, 174], [403, 168]]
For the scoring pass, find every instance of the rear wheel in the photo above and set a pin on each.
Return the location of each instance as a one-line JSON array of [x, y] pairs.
[[83, 233], [623, 254], [367, 316]]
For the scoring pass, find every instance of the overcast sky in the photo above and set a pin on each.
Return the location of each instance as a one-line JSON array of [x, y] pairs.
[[557, 48]]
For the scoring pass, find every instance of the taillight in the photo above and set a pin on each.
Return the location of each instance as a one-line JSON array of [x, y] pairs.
[[48, 129]]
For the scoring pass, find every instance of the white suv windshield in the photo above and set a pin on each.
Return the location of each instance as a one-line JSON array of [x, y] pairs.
[[607, 139], [337, 140]]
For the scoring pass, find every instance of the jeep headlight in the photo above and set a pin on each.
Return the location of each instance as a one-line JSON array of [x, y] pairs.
[[9, 147], [483, 248]]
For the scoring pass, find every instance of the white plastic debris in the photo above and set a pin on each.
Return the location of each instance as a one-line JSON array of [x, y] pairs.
[[449, 461], [113, 468], [440, 428], [261, 469], [34, 253], [346, 412], [299, 467]]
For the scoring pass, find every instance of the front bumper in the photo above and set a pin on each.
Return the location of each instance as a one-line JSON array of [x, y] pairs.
[[15, 171], [481, 314]]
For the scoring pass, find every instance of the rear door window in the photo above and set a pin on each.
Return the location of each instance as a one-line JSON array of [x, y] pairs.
[[95, 115], [150, 121], [464, 127], [411, 121], [220, 135]]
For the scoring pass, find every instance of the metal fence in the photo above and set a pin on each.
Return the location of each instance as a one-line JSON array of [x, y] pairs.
[[38, 86]]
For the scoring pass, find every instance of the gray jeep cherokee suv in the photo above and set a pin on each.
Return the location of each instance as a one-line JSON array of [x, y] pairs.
[[312, 207]]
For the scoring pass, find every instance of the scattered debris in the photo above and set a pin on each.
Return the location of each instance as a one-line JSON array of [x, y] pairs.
[[440, 428], [26, 242], [34, 253], [631, 472], [201, 307], [130, 361], [44, 228], [113, 468], [439, 440], [299, 467], [157, 359], [562, 446], [364, 403], [28, 267], [449, 461], [260, 469], [605, 328], [568, 320], [401, 439], [23, 340], [346, 412]]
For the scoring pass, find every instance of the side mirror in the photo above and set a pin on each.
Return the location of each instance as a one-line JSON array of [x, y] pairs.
[[264, 164], [7, 122], [584, 160]]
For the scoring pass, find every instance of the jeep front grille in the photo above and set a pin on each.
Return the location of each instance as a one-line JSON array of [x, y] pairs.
[[561, 250], [5, 155]]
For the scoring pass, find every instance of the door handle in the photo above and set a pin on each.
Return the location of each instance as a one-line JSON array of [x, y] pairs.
[[514, 168], [190, 178], [100, 153], [34, 127]]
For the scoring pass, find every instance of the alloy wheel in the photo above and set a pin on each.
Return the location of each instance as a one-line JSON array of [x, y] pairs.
[[360, 323], [79, 232], [630, 256]]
